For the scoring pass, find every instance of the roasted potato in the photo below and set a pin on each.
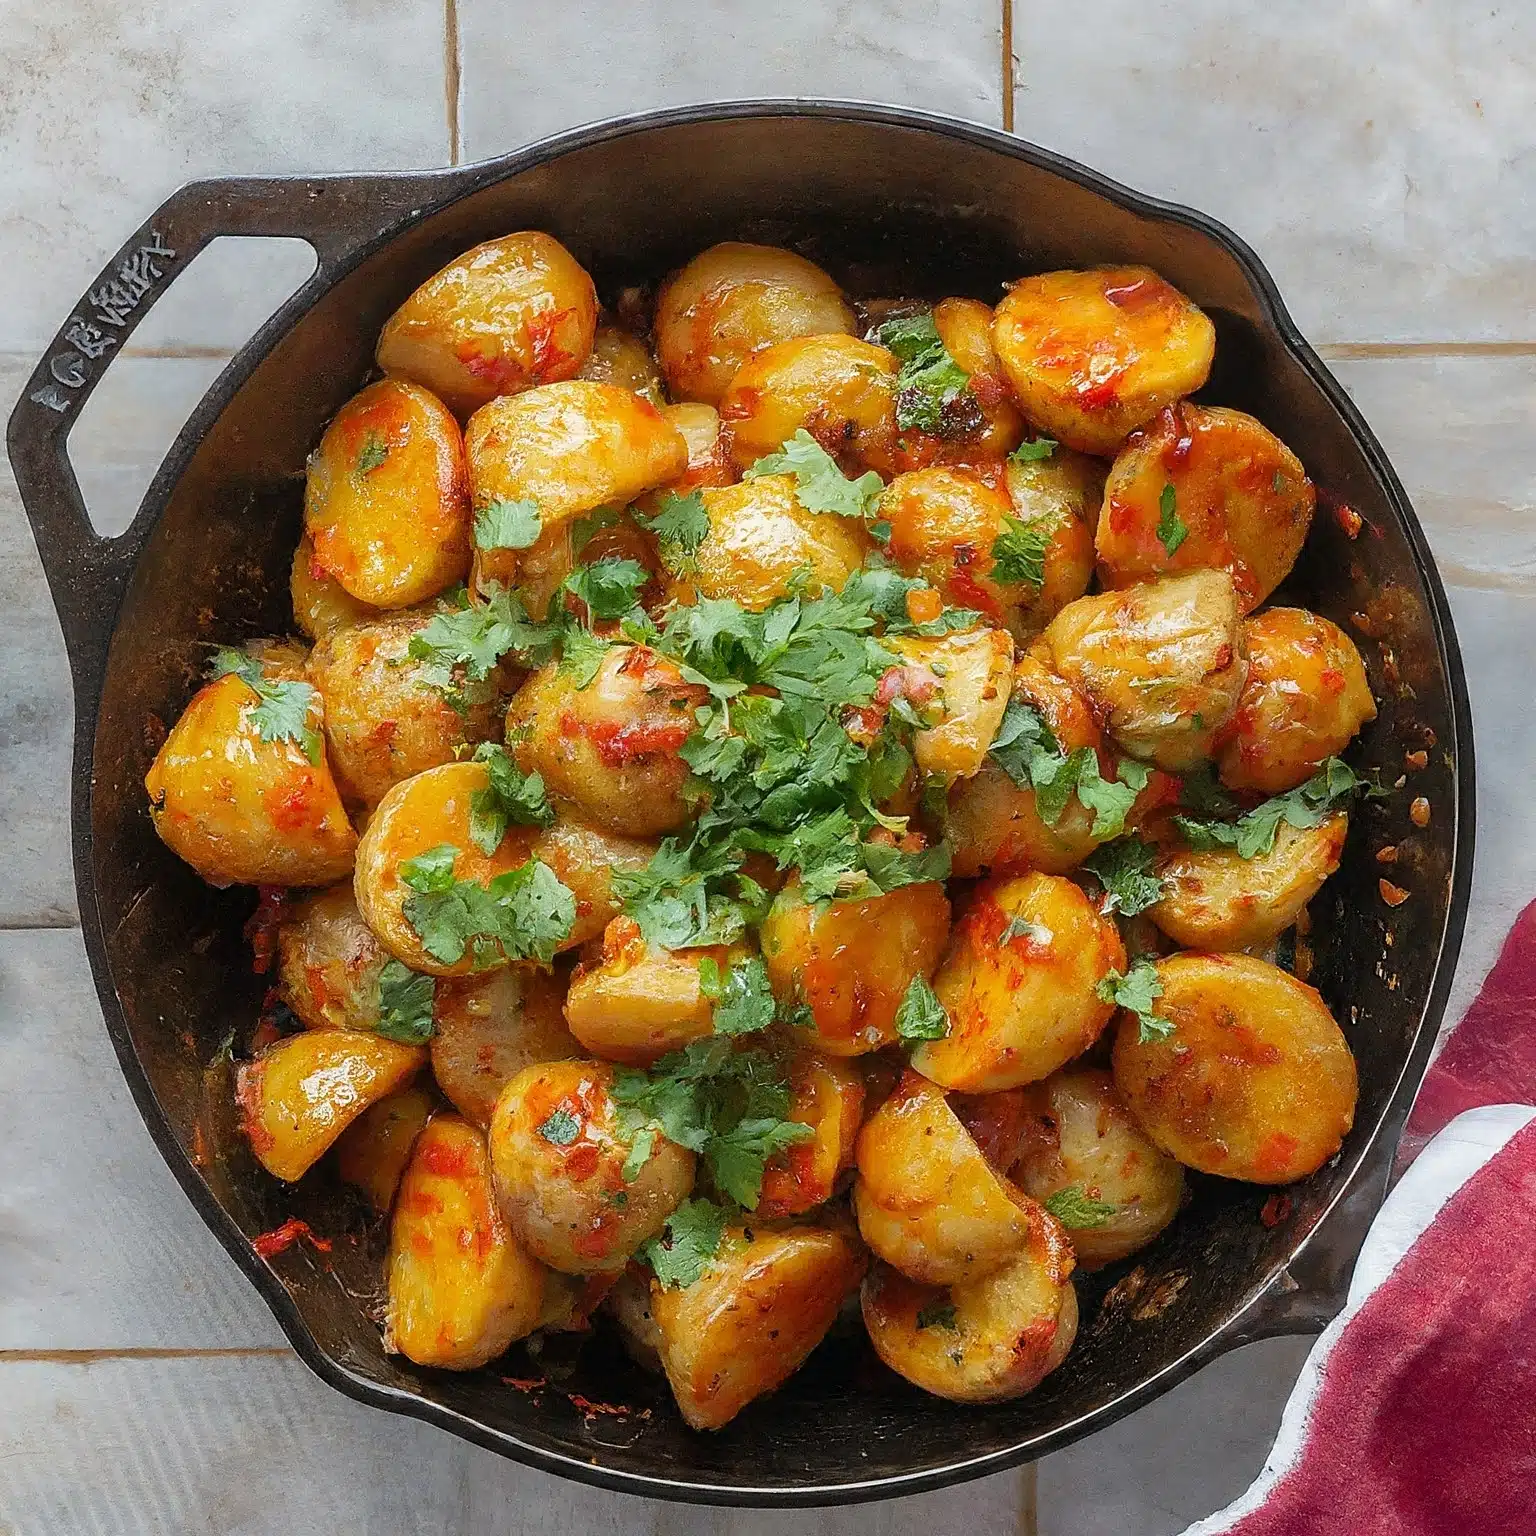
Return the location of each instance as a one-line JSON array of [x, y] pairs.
[[1092, 354], [386, 498], [1219, 901], [959, 684], [827, 1095], [628, 1303], [732, 301], [300, 1094], [586, 860], [1306, 697], [1085, 1158], [503, 317], [328, 962], [1239, 494], [610, 748], [1162, 664], [461, 1288], [840, 389], [747, 1324], [1019, 984], [242, 810], [487, 1028], [622, 358], [850, 963], [986, 1340], [965, 328], [372, 1152], [319, 603], [1255, 1080], [383, 721], [558, 1152]]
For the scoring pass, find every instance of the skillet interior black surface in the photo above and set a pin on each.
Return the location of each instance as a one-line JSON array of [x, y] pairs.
[[890, 207]]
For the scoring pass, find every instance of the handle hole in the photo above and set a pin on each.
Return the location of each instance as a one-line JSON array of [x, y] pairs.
[[126, 428]]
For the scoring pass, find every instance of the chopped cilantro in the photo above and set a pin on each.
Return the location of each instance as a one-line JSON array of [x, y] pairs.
[[524, 914], [690, 1240], [510, 798], [1253, 833], [282, 708], [820, 485], [561, 1128], [405, 1004], [921, 1015], [1074, 1207], [681, 525], [464, 644], [930, 379], [1124, 869], [507, 525], [609, 587], [1033, 452], [1137, 991], [1026, 750], [745, 1001], [640, 1150], [372, 454], [1171, 529], [581, 654], [736, 1158], [937, 1314], [1018, 553]]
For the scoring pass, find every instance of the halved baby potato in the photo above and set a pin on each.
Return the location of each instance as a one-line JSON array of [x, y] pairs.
[[1093, 354], [748, 1323], [1020, 985], [1254, 1082], [827, 1095], [503, 317], [965, 328], [373, 1151], [960, 683], [300, 1094], [386, 497], [461, 1288], [328, 961], [620, 357], [320, 604], [732, 301], [585, 859], [1205, 486]]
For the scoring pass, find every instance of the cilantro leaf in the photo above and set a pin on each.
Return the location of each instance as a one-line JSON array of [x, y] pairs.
[[561, 1128], [1171, 528], [690, 1240], [680, 525], [640, 1150], [937, 1314], [510, 798], [745, 1001], [405, 1004], [464, 644], [581, 655], [736, 1158], [372, 454], [921, 1015], [1074, 1207], [507, 525], [1027, 752], [524, 914], [1018, 552], [930, 379], [819, 483], [610, 587], [281, 711], [1137, 991], [1034, 452], [1306, 806], [432, 870], [1124, 869]]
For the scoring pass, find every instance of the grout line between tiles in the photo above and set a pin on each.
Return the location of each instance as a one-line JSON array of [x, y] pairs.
[[452, 76], [1007, 51], [1029, 1501], [104, 1356], [1349, 351], [42, 922]]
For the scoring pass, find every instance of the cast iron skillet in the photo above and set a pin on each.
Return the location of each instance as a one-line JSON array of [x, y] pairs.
[[894, 202]]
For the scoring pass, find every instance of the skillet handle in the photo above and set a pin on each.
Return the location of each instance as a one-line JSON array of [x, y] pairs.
[[87, 574]]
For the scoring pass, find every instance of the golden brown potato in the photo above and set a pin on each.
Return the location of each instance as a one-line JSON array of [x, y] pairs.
[[960, 683], [1019, 985], [386, 498], [851, 963], [461, 1289], [827, 1095], [988, 1340], [1162, 664], [299, 1095], [487, 1028], [1093, 354], [328, 962], [926, 1198], [559, 1154], [1219, 901], [761, 539], [620, 357], [965, 328], [586, 859], [747, 1324], [1254, 1082], [1091, 1165], [1306, 697], [503, 317], [372, 1152], [610, 748], [709, 455], [1240, 495], [729, 303], [244, 811], [320, 604], [840, 389], [1060, 495], [994, 825], [383, 721]]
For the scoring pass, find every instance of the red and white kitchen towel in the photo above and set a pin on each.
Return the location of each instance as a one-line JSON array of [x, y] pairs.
[[1415, 1414]]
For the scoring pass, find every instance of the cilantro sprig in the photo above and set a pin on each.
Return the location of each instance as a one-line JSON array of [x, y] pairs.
[[680, 526], [819, 484], [405, 1004], [742, 997], [930, 382], [1308, 805], [1124, 868], [504, 524], [921, 1015], [1137, 991], [689, 1241], [510, 798], [1033, 451], [1018, 552], [281, 712], [1075, 1207]]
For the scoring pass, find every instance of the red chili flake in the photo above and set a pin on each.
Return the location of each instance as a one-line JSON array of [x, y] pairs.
[[590, 1410], [261, 927], [270, 1243], [1275, 1210], [1393, 895], [1416, 760], [526, 1383], [1348, 519]]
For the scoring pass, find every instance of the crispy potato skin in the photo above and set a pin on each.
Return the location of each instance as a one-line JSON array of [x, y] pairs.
[[926, 1198], [559, 1198], [965, 328], [506, 316], [963, 680], [851, 964], [1079, 1135], [749, 1322], [1009, 1330], [1218, 901], [461, 1289], [1092, 354], [319, 603], [610, 748], [732, 301], [1021, 1009], [488, 1027], [243, 811], [622, 358], [390, 531], [328, 962], [840, 389], [1162, 664], [1306, 698], [383, 723], [1241, 493], [827, 1095], [299, 1095], [1256, 1081], [373, 1151]]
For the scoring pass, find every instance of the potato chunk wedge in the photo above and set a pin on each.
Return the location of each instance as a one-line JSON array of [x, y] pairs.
[[827, 1095], [961, 683], [1020, 985], [372, 1152], [386, 499], [965, 328], [749, 1322], [461, 1289], [622, 358], [586, 859], [1239, 494], [503, 317], [320, 604], [1255, 1081], [299, 1095], [1093, 354], [328, 962]]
